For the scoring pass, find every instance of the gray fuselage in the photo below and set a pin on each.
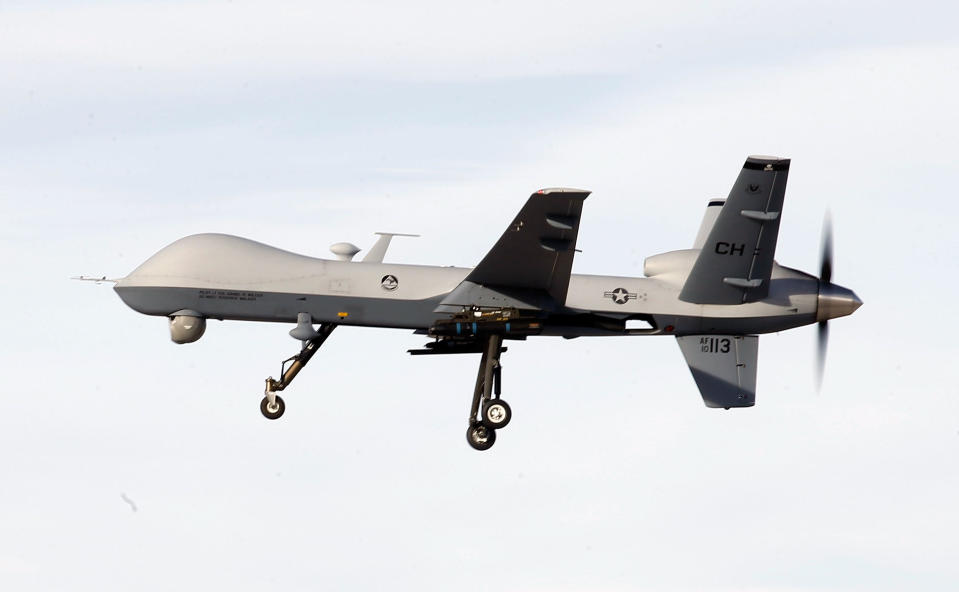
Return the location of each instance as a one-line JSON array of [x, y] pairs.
[[226, 277]]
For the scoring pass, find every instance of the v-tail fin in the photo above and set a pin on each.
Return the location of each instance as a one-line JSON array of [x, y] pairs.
[[724, 367]]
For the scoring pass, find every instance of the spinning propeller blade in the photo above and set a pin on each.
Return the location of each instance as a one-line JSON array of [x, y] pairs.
[[823, 344], [825, 254], [825, 278]]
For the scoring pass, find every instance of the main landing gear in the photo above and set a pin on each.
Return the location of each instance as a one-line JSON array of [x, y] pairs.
[[272, 405], [488, 412]]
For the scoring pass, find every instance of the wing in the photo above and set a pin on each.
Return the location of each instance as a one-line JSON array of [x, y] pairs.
[[529, 266], [724, 367], [737, 256]]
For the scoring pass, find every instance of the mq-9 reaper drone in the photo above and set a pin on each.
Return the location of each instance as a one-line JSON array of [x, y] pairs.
[[714, 298]]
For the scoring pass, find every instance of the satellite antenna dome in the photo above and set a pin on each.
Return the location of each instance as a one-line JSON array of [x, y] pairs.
[[344, 251]]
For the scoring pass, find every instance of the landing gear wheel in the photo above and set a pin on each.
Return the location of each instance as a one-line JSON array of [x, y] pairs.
[[480, 437], [496, 414], [274, 411]]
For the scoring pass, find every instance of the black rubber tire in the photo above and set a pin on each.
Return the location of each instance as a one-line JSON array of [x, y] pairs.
[[503, 417], [480, 437], [280, 408]]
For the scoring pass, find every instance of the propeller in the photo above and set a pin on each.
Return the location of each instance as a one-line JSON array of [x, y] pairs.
[[825, 252], [825, 279]]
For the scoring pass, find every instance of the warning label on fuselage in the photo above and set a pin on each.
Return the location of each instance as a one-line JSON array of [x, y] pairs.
[[230, 295]]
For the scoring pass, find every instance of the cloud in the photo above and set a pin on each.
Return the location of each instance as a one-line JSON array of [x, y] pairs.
[[427, 40], [12, 565]]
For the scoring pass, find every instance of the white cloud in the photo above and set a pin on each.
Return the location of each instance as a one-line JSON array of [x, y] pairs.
[[428, 40], [334, 38]]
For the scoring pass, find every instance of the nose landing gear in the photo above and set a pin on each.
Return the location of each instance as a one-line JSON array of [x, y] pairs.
[[272, 409], [272, 406]]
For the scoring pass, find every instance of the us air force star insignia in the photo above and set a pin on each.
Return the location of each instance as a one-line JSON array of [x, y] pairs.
[[620, 295], [389, 282]]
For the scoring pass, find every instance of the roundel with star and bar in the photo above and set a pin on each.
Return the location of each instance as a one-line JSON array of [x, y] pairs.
[[620, 295]]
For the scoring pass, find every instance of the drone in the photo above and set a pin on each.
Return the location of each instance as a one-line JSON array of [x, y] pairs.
[[715, 298]]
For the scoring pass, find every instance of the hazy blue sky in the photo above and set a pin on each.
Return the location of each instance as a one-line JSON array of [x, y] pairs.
[[126, 125]]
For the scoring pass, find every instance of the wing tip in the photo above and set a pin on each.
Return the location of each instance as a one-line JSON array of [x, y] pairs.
[[766, 163], [550, 190]]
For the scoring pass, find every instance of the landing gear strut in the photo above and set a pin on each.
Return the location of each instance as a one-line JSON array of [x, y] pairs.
[[272, 406], [488, 412]]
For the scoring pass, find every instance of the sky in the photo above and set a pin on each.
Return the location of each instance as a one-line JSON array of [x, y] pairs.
[[130, 462]]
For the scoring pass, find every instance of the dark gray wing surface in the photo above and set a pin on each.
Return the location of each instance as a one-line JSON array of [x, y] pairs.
[[533, 259], [737, 257]]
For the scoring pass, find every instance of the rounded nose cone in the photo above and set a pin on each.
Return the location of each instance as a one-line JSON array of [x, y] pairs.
[[836, 301]]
